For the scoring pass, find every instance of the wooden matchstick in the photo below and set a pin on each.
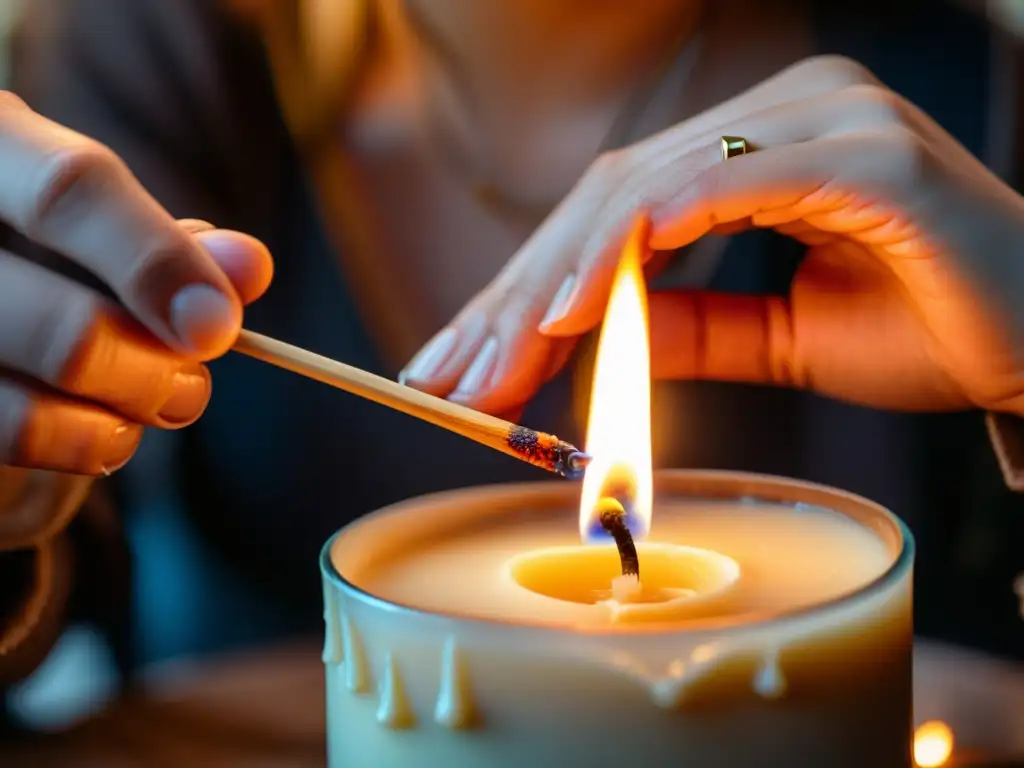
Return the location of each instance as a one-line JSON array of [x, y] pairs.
[[537, 448]]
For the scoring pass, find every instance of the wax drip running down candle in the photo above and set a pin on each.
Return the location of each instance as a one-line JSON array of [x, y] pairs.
[[612, 516], [548, 452]]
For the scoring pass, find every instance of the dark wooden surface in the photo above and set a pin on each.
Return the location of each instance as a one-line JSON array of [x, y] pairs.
[[266, 711]]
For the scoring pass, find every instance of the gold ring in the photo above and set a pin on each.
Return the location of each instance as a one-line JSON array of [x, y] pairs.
[[732, 146]]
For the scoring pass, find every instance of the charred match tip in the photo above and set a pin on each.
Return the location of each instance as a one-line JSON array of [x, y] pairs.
[[579, 459], [570, 462], [547, 451], [613, 519], [575, 463]]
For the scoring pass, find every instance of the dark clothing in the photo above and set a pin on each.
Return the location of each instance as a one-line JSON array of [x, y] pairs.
[[186, 95]]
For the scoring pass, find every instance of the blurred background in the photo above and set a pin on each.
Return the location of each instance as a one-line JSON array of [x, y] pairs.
[[190, 602]]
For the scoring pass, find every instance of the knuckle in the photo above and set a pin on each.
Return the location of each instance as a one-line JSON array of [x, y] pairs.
[[839, 71], [99, 355], [78, 343], [707, 185], [492, 300], [875, 102], [69, 176], [782, 361], [42, 431], [908, 157], [11, 102], [61, 335], [519, 310], [608, 167]]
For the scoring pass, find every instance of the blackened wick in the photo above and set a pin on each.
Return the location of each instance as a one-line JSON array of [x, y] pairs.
[[613, 519]]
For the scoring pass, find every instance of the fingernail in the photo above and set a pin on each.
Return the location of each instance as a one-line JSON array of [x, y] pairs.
[[217, 242], [560, 303], [189, 394], [203, 318], [194, 226], [429, 359], [122, 445], [480, 369]]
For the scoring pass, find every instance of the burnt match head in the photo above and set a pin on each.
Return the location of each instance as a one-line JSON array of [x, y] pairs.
[[547, 451], [575, 462], [612, 516]]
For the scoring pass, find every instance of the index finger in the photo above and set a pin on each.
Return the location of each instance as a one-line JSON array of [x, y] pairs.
[[75, 196]]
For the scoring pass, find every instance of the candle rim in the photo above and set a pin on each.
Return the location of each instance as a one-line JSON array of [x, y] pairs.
[[742, 480]]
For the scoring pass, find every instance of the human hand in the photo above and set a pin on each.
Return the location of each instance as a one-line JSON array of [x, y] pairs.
[[910, 296], [80, 374]]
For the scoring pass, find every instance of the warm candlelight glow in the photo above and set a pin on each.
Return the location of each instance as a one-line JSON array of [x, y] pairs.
[[933, 744], [619, 425]]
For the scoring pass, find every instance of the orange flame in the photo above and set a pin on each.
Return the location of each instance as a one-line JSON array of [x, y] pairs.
[[619, 425], [933, 744]]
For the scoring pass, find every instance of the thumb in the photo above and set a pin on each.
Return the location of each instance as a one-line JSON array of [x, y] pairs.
[[244, 259], [723, 337]]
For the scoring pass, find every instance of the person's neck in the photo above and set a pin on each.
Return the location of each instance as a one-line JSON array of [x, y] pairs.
[[523, 56]]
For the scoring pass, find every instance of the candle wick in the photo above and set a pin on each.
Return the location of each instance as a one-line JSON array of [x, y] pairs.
[[613, 519]]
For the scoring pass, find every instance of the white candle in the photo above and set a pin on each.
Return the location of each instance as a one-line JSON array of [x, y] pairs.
[[437, 655], [476, 629]]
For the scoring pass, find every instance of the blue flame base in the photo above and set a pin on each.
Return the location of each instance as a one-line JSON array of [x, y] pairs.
[[596, 534]]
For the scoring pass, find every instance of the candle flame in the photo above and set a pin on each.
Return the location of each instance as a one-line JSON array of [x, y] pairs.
[[933, 744], [619, 424]]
